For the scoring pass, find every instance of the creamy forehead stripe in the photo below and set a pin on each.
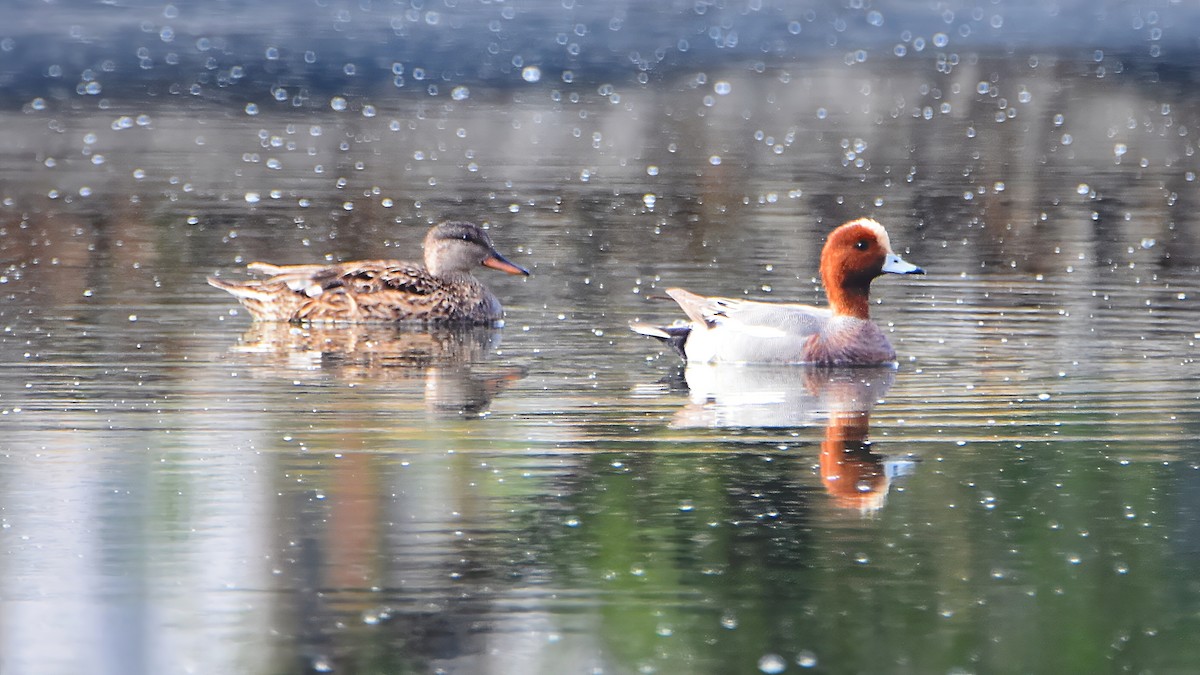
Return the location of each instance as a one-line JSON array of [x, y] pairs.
[[880, 233]]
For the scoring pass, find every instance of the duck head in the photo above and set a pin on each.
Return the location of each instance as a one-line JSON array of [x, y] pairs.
[[854, 254], [459, 247]]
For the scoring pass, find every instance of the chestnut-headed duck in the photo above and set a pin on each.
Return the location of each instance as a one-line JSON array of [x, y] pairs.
[[729, 330], [442, 291]]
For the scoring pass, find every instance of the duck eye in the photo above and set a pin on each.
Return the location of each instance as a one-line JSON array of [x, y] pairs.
[[862, 244]]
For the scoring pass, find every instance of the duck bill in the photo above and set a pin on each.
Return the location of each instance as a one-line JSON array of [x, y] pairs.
[[894, 264], [499, 262]]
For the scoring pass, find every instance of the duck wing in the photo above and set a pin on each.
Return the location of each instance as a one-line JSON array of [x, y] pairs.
[[363, 290], [392, 290], [751, 318]]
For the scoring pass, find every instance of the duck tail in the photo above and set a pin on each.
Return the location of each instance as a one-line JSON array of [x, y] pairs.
[[263, 302], [675, 335], [242, 290]]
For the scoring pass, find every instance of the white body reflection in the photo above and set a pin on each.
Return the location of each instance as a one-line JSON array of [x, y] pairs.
[[733, 396]]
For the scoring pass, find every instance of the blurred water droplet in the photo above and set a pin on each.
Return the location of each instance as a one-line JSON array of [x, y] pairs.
[[771, 664], [806, 659], [531, 73]]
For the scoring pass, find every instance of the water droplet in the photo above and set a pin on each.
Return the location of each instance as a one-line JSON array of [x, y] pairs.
[[253, 197], [531, 73], [1083, 189], [460, 93], [806, 659], [772, 664], [715, 160], [337, 103], [722, 88], [648, 199]]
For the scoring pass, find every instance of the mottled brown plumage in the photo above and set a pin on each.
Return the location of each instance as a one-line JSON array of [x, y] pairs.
[[441, 291]]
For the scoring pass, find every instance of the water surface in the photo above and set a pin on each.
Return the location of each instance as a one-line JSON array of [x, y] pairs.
[[185, 491]]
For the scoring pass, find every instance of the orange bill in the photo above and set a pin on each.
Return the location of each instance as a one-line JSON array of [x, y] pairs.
[[499, 262]]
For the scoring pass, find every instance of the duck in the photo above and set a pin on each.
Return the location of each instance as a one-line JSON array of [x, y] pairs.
[[732, 330], [441, 291]]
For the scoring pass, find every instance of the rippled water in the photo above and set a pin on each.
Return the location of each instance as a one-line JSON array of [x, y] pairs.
[[184, 491]]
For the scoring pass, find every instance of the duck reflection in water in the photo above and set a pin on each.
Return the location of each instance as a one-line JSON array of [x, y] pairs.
[[448, 363], [736, 396]]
